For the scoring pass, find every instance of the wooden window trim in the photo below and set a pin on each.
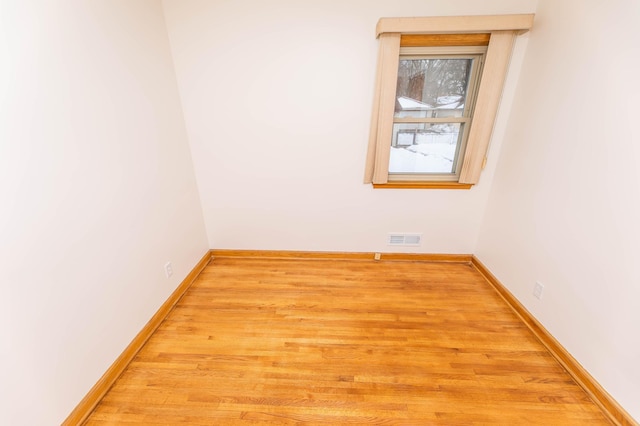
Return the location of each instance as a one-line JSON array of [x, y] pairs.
[[414, 184], [437, 40], [520, 23], [501, 31]]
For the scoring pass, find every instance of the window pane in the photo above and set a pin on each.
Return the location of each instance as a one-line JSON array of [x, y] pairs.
[[424, 147], [429, 88]]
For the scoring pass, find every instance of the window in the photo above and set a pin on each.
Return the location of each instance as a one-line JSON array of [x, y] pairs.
[[435, 96], [438, 86]]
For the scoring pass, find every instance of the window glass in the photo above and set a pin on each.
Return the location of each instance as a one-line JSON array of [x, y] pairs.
[[432, 109], [432, 88], [424, 147]]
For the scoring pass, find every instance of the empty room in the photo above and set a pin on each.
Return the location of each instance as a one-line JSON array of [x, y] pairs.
[[319, 212]]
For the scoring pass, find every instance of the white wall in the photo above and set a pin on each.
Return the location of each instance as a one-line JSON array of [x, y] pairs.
[[97, 192], [277, 99], [565, 203]]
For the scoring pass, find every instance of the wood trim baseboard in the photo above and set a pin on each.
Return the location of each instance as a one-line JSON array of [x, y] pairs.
[[290, 254], [102, 386], [610, 407]]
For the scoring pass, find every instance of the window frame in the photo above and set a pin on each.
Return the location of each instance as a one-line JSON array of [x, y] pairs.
[[473, 52], [441, 31]]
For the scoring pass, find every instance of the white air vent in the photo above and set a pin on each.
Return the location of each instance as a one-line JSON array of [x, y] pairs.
[[405, 239]]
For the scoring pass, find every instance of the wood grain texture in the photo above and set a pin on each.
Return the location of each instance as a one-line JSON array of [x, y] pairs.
[[429, 40], [293, 341], [610, 406], [422, 185], [97, 392], [290, 254]]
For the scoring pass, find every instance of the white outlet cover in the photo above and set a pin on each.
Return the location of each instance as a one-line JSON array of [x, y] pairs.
[[537, 290], [168, 269]]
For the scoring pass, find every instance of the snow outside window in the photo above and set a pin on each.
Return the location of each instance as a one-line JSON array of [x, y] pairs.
[[438, 86], [435, 94]]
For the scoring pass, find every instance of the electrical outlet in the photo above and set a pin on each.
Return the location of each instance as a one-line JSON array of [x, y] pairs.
[[168, 269], [537, 290], [376, 256]]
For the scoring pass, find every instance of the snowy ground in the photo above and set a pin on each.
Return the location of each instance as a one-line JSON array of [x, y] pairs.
[[432, 157]]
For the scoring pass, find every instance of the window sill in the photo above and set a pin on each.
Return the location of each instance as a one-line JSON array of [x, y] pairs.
[[422, 185]]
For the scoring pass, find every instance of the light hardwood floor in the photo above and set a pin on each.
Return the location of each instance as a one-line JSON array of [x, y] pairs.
[[281, 341]]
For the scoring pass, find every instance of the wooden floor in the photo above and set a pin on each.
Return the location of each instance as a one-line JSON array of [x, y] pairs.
[[343, 342]]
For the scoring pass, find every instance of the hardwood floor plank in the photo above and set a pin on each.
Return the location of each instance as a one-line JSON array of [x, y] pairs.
[[294, 341]]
